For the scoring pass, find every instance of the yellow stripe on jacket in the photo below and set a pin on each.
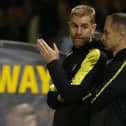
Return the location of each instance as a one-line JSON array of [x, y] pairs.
[[87, 65]]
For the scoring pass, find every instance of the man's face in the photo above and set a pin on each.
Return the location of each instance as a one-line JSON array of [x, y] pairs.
[[81, 29], [110, 37]]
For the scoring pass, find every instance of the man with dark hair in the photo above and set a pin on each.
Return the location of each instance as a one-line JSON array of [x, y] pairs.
[[109, 101], [78, 73]]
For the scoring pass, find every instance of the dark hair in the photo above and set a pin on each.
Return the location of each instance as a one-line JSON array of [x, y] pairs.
[[118, 20]]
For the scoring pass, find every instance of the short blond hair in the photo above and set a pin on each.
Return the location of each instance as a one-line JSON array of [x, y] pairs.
[[83, 10]]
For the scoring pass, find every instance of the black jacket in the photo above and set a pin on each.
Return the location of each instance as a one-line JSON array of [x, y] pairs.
[[80, 71], [109, 101]]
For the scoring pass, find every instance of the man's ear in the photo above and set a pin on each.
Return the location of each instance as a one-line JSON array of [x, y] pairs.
[[94, 28], [122, 35]]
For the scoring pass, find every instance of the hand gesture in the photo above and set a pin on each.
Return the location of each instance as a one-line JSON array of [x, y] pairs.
[[48, 54]]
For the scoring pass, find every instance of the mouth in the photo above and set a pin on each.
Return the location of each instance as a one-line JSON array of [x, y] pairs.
[[78, 38]]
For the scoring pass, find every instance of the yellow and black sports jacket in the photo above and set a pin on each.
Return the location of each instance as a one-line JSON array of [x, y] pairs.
[[109, 99], [80, 71]]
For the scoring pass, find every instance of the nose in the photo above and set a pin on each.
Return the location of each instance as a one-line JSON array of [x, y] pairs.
[[78, 30]]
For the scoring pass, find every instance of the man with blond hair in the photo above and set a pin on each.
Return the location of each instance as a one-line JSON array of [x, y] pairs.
[[79, 72]]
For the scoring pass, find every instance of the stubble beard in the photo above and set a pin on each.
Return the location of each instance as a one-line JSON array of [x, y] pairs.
[[80, 42]]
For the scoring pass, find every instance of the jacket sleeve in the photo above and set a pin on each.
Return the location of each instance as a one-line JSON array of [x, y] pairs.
[[52, 99], [111, 90], [74, 90]]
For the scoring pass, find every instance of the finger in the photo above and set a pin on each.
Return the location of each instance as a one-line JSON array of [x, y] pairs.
[[41, 46], [55, 47], [46, 45]]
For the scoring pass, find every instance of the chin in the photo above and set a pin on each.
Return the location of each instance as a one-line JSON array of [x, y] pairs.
[[80, 42], [107, 48], [78, 45]]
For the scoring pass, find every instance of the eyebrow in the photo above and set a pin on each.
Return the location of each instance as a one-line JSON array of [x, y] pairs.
[[86, 24]]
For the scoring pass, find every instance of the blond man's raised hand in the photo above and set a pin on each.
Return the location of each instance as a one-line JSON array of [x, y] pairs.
[[48, 54]]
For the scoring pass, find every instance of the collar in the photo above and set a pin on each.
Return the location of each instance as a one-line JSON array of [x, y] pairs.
[[121, 54], [93, 44]]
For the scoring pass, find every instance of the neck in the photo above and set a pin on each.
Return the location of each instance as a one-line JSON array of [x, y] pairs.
[[121, 45], [118, 49]]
